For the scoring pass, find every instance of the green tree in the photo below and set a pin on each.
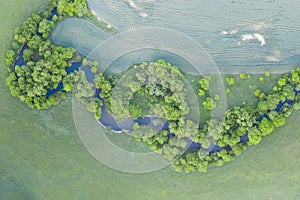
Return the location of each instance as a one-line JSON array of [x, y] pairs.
[[243, 76], [254, 136], [204, 83], [201, 93], [209, 103], [257, 92], [230, 80], [266, 126], [282, 81]]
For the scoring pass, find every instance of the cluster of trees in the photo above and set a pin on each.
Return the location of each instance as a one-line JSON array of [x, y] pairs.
[[70, 7], [209, 103], [44, 66], [161, 86], [166, 102], [44, 63], [240, 121], [105, 83], [85, 93]]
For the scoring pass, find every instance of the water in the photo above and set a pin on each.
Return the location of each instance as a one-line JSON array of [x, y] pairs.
[[54, 12], [20, 61], [74, 67]]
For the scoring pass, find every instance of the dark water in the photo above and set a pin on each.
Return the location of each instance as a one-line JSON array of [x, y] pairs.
[[74, 67], [54, 12], [20, 61]]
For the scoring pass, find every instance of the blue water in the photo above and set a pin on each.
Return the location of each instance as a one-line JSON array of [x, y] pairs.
[[290, 101], [108, 121], [54, 12], [74, 67], [59, 88], [20, 61], [261, 117], [192, 145], [127, 124], [296, 91], [244, 138], [279, 106], [215, 148], [170, 135]]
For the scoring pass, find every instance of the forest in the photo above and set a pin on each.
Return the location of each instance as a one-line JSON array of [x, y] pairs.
[[36, 66], [43, 65]]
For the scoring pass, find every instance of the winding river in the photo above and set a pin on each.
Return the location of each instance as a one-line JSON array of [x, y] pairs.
[[239, 35]]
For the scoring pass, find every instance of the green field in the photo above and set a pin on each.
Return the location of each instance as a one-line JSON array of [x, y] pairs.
[[41, 156]]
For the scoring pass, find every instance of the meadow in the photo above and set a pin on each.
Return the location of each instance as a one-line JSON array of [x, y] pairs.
[[41, 156]]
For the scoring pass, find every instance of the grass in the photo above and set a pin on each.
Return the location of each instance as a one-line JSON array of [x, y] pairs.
[[240, 92], [101, 24], [41, 156]]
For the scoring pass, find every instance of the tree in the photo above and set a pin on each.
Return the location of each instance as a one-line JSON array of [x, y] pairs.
[[237, 149], [266, 126], [279, 120], [10, 57], [288, 92], [274, 99], [225, 156], [296, 106], [209, 103], [254, 136], [84, 89], [228, 90], [69, 81], [44, 27], [204, 83], [230, 80], [257, 92], [201, 93], [135, 111], [262, 106], [295, 76], [243, 76], [282, 81]]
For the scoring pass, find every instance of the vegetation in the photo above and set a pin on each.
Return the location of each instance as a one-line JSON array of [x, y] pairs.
[[167, 99], [42, 157], [160, 85], [44, 65], [230, 80], [240, 121], [148, 92]]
